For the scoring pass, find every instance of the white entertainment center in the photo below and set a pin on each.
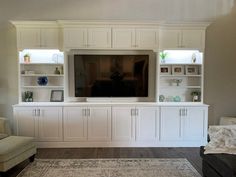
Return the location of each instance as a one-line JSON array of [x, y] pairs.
[[173, 113]]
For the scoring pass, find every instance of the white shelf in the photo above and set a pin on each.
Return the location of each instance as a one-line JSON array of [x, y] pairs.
[[43, 87], [38, 75], [181, 75], [181, 87], [163, 64], [42, 64]]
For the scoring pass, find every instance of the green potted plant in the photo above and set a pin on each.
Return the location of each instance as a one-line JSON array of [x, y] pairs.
[[27, 58], [163, 56], [196, 95]]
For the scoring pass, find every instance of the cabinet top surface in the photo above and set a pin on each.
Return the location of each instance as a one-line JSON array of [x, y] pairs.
[[65, 104], [109, 22]]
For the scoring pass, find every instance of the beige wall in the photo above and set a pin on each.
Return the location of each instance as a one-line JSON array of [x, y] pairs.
[[220, 67], [220, 63], [8, 71]]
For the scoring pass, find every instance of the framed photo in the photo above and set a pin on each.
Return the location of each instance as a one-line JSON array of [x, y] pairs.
[[165, 70], [191, 70], [57, 96], [177, 70]]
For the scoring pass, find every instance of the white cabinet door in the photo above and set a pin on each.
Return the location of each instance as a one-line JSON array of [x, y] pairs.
[[50, 124], [123, 124], [38, 38], [147, 124], [171, 124], [28, 38], [26, 121], [75, 124], [49, 38], [195, 123], [123, 38], [193, 39], [99, 123], [99, 38], [170, 38], [175, 38], [147, 38], [75, 38]]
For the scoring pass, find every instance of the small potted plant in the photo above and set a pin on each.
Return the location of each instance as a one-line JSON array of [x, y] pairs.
[[196, 95], [163, 56], [27, 58]]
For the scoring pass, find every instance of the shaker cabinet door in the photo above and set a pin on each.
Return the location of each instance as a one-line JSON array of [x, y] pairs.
[[28, 38], [26, 121], [123, 124], [171, 124], [123, 38], [75, 38], [147, 123], [99, 38], [50, 124], [75, 124], [99, 123], [195, 123]]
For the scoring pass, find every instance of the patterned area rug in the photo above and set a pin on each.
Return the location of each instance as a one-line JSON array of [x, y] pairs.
[[153, 167]]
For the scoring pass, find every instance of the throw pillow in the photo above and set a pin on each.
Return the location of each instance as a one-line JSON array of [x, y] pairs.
[[222, 140], [2, 125]]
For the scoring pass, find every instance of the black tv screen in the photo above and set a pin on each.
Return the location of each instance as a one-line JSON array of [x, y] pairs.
[[111, 75]]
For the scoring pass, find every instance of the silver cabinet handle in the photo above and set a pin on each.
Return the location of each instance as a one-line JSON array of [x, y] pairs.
[[84, 112], [88, 112], [186, 111], [180, 112], [136, 112], [34, 112], [38, 112]]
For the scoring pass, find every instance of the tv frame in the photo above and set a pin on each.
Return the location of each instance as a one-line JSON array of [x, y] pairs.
[[69, 76]]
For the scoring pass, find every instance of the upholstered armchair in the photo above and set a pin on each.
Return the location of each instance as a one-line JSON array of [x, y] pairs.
[[13, 149]]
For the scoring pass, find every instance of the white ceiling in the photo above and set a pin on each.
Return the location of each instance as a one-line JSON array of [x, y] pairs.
[[159, 10]]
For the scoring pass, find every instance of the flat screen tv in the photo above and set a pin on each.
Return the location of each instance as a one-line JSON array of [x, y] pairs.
[[111, 75]]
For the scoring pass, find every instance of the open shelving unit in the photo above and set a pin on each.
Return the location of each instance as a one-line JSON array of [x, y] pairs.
[[180, 76], [43, 63]]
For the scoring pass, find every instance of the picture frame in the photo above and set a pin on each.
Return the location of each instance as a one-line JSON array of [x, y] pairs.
[[177, 70], [165, 70], [57, 96], [191, 70]]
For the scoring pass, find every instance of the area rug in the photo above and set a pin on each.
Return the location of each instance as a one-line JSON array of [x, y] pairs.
[[152, 167]]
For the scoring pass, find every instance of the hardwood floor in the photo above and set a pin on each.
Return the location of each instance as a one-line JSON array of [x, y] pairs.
[[192, 154]]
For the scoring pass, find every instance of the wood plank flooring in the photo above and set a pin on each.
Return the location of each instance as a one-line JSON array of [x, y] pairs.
[[192, 154]]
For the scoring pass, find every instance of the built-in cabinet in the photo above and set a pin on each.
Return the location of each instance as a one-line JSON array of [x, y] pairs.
[[44, 36], [87, 123], [135, 38], [38, 77], [87, 38], [186, 123], [114, 125], [135, 123], [138, 124], [172, 38], [43, 123]]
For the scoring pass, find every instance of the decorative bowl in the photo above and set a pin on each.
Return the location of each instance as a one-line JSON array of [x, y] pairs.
[[42, 80]]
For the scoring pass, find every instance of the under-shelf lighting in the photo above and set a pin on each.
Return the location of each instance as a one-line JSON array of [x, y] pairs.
[[42, 56], [183, 56]]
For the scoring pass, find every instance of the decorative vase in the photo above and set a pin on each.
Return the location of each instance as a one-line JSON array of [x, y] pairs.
[[26, 59], [195, 98]]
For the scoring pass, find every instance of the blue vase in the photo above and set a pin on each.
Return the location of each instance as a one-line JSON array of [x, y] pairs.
[[42, 80]]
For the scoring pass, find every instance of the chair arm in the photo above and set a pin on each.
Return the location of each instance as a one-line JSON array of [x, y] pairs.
[[4, 126]]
